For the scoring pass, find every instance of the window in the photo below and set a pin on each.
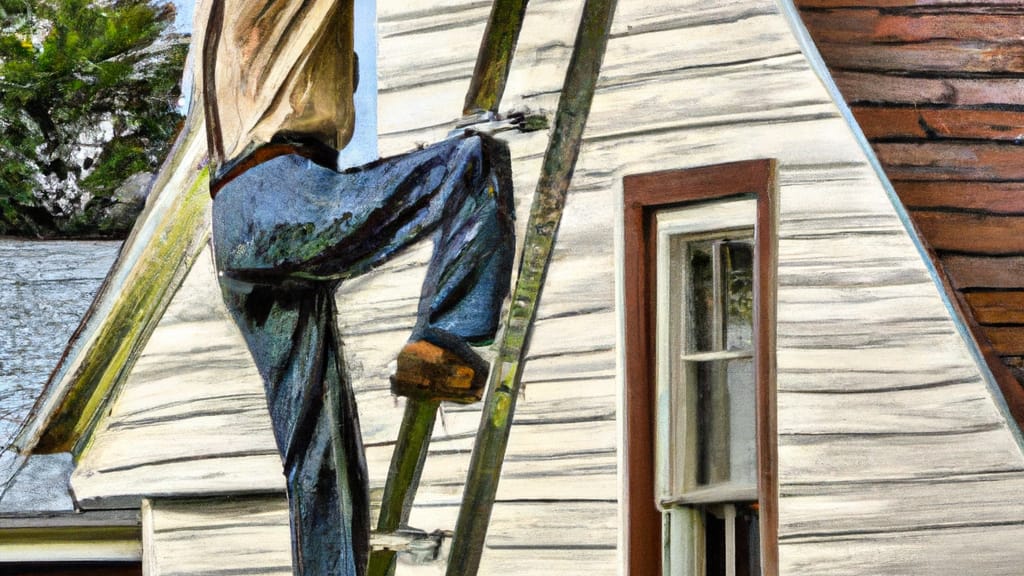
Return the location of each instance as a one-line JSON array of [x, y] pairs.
[[700, 371], [705, 448]]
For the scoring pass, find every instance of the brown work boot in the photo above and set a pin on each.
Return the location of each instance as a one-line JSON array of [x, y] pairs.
[[430, 372]]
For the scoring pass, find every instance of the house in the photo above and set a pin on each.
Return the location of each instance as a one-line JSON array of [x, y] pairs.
[[728, 222]]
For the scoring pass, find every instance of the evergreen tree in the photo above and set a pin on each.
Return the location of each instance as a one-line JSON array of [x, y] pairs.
[[88, 92]]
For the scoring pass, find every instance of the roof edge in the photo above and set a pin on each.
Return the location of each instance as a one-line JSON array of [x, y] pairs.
[[153, 263]]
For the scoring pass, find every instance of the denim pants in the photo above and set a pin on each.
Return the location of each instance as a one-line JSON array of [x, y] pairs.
[[286, 232]]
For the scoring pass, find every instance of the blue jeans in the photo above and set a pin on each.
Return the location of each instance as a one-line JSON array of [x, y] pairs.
[[286, 232]]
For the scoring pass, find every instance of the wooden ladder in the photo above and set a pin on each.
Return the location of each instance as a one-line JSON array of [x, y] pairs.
[[505, 380]]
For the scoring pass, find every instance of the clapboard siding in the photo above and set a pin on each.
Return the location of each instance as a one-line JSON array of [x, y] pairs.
[[956, 550], [877, 88], [986, 233], [983, 197], [998, 307], [250, 536], [981, 6], [849, 25], [864, 340], [884, 507], [879, 397], [951, 161], [895, 123]]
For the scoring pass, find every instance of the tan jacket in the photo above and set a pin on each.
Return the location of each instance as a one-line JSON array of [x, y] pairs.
[[279, 68]]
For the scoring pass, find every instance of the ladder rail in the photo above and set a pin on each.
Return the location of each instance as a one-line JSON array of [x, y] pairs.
[[542, 228], [483, 98]]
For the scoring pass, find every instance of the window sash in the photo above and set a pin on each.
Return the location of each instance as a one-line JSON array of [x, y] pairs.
[[733, 219], [679, 497]]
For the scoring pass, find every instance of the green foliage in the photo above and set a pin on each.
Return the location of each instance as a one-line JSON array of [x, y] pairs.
[[87, 98]]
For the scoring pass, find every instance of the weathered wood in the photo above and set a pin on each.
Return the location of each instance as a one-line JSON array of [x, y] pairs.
[[844, 259], [884, 507], [542, 229], [941, 123], [971, 233], [952, 56], [153, 263], [1002, 5], [494, 59], [951, 161], [403, 477], [961, 407], [866, 87], [1003, 307], [520, 525], [988, 447], [848, 25], [250, 536], [898, 553], [944, 56], [1007, 340], [991, 197], [984, 271]]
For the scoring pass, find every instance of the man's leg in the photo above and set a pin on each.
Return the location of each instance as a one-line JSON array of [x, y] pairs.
[[286, 230], [290, 332], [290, 218], [466, 283]]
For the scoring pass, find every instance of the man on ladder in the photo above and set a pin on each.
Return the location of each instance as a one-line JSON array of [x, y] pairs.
[[289, 227]]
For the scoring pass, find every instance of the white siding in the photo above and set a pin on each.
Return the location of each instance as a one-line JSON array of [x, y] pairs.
[[893, 456]]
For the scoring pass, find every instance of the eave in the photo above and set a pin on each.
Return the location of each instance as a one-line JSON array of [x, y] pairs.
[[101, 536]]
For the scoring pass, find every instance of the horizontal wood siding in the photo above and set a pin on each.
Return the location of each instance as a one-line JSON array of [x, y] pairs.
[[876, 387], [892, 123], [997, 307], [938, 90], [250, 536], [879, 400], [879, 88], [982, 197]]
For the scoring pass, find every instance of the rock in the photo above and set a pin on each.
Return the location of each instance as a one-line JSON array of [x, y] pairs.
[[128, 201], [135, 188]]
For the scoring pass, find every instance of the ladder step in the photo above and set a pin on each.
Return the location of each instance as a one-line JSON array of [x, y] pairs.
[[416, 546]]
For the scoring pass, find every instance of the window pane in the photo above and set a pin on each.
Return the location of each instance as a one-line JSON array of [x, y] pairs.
[[731, 539], [748, 541], [714, 543], [701, 275], [726, 441], [738, 266]]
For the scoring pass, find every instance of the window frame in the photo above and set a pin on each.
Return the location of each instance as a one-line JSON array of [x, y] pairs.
[[644, 196]]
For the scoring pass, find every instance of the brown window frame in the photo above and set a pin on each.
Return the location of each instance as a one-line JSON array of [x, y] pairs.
[[645, 195]]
